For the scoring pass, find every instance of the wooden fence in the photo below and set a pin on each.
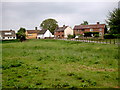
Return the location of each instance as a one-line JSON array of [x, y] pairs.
[[103, 41]]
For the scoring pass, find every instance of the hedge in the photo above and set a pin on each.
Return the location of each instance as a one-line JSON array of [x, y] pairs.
[[111, 36]]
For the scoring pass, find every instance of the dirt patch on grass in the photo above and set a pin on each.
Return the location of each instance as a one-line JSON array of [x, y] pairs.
[[79, 67], [96, 69]]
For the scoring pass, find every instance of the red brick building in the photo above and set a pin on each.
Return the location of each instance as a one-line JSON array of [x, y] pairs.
[[63, 32], [101, 29]]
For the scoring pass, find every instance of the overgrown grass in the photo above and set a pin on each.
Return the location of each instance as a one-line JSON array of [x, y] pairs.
[[59, 64]]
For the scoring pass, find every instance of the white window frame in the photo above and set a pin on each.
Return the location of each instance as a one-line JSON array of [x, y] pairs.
[[100, 29], [91, 29], [30, 35], [8, 33], [100, 33]]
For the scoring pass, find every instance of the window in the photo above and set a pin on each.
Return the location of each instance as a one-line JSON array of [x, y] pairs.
[[8, 33], [100, 29], [29, 34], [100, 34], [91, 30]]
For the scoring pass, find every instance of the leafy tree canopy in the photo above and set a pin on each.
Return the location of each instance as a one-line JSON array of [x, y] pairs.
[[50, 24], [84, 23], [114, 21], [21, 34]]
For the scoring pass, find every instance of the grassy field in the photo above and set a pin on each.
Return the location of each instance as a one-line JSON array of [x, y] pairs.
[[59, 64]]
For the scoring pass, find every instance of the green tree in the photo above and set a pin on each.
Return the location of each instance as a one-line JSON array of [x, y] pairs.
[[21, 34], [84, 23], [50, 24], [114, 21]]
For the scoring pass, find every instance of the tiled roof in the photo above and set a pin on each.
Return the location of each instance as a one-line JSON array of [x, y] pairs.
[[60, 28], [8, 35], [89, 26], [42, 31], [32, 31]]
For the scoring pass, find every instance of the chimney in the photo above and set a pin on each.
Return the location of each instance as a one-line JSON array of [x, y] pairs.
[[35, 28], [98, 23]]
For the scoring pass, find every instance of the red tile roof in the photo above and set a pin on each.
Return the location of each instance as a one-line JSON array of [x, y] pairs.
[[32, 31], [89, 26], [61, 28], [42, 31], [8, 31]]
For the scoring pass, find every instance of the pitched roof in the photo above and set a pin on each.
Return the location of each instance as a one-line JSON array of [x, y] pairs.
[[89, 26], [8, 33], [42, 31], [60, 28], [32, 31]]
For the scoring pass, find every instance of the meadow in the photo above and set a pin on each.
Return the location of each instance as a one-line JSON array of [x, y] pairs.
[[59, 64]]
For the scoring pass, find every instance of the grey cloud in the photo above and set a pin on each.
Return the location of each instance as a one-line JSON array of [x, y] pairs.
[[31, 14]]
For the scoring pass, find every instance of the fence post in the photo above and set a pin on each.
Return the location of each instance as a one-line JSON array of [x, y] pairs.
[[114, 41], [110, 41]]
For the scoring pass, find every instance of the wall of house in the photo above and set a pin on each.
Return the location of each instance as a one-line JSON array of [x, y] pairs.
[[40, 36], [48, 34], [45, 35], [8, 38], [101, 31], [68, 31], [59, 35], [76, 32], [31, 36]]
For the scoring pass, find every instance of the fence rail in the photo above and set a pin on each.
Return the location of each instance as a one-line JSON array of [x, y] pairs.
[[104, 41]]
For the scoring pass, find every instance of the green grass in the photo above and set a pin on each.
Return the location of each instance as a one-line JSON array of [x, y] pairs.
[[59, 64]]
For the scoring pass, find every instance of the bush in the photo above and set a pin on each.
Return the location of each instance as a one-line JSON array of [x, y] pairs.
[[80, 35], [96, 35], [88, 34], [71, 36], [108, 36], [111, 36], [116, 35]]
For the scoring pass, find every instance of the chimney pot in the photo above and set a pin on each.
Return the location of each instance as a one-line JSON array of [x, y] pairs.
[[35, 28], [98, 23]]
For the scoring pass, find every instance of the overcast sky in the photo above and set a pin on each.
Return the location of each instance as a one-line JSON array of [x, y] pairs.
[[31, 14]]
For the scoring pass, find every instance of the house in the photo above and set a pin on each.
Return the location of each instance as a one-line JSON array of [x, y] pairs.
[[42, 34], [32, 34], [7, 35], [63, 32], [93, 29]]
